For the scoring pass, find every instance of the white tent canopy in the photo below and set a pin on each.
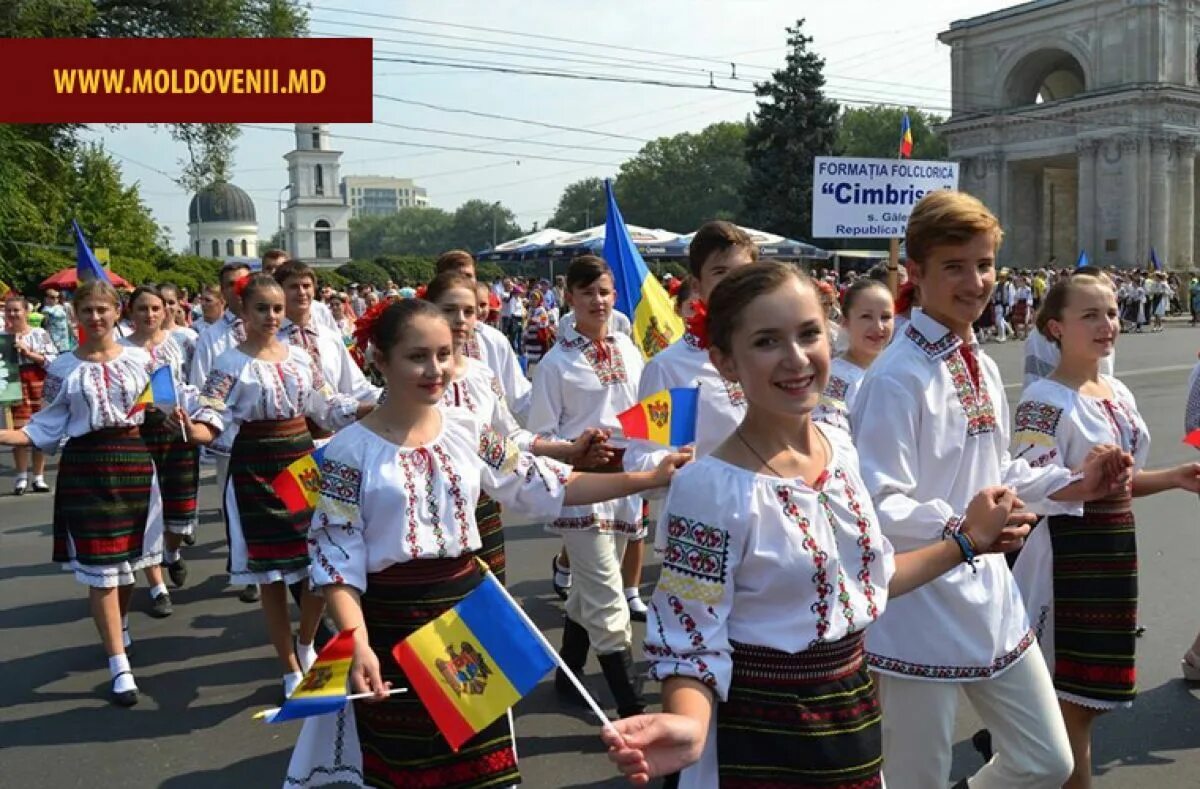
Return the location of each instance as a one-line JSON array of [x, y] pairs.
[[541, 238]]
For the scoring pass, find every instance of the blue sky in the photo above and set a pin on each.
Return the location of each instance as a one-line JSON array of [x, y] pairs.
[[875, 51]]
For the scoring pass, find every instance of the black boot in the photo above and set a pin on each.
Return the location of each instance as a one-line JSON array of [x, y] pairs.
[[981, 741], [574, 652], [625, 684]]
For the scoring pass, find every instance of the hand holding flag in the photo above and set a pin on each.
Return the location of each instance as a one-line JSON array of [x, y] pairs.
[[667, 417], [159, 391]]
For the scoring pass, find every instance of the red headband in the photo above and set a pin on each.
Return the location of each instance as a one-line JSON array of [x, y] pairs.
[[365, 325], [239, 286]]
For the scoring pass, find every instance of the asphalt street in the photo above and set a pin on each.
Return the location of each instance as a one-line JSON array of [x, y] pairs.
[[203, 671]]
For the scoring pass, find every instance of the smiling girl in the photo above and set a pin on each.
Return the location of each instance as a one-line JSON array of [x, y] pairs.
[[1078, 575], [868, 318], [774, 568]]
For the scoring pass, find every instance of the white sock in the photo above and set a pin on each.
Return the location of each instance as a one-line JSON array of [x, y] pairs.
[[118, 666], [39, 479], [306, 655], [158, 589], [170, 557], [291, 682], [634, 598], [22, 476]]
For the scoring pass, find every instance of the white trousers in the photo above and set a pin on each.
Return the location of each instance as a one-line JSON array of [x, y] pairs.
[[1019, 708], [597, 597], [1001, 324]]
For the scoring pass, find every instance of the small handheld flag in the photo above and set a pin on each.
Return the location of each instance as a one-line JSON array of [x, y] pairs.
[[323, 688], [1083, 259], [667, 417], [906, 138], [640, 296], [1154, 261], [160, 391], [1193, 438], [474, 661], [299, 485]]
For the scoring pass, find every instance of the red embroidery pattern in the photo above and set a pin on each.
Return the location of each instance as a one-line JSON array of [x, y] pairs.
[[976, 403], [456, 496], [669, 656], [410, 491], [819, 558], [868, 555], [606, 361], [952, 672], [733, 391]]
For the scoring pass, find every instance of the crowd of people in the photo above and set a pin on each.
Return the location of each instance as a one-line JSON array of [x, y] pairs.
[[833, 543]]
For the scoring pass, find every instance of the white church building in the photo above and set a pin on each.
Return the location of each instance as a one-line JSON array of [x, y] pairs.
[[317, 219], [222, 223]]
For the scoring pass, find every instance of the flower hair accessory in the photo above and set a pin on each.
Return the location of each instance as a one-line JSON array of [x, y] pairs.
[[697, 325], [904, 298], [239, 287], [421, 291], [674, 287], [364, 327]]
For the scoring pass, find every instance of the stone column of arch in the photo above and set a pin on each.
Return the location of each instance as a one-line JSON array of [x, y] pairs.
[[1130, 198], [1160, 200], [1086, 151], [1183, 218]]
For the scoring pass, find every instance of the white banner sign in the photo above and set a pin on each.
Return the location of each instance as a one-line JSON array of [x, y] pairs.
[[871, 198]]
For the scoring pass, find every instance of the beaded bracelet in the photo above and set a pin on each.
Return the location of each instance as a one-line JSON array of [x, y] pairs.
[[968, 549]]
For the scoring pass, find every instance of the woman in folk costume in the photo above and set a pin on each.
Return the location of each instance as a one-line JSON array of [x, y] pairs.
[[867, 320], [588, 378], [183, 334], [107, 509], [393, 545], [176, 461], [267, 389], [35, 352], [474, 386], [1078, 574], [775, 566]]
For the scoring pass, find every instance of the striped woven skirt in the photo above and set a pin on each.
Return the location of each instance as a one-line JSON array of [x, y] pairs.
[[491, 534], [1095, 604], [811, 719], [267, 543], [177, 464], [107, 512], [401, 745], [33, 380]]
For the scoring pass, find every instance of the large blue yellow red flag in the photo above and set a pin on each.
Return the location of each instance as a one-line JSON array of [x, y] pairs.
[[639, 294], [667, 417], [160, 391], [474, 662], [299, 485], [86, 265], [906, 138], [1083, 259], [323, 689]]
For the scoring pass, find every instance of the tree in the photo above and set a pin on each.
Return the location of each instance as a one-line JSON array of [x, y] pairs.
[[431, 231], [361, 271], [478, 224], [581, 206], [681, 182], [875, 132], [793, 124]]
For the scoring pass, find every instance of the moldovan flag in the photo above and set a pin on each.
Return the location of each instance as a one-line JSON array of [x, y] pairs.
[[473, 662], [639, 295], [299, 485], [906, 140], [323, 689], [160, 391], [667, 417]]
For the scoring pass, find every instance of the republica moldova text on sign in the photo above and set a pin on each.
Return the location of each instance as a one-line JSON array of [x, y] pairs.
[[185, 80], [872, 198]]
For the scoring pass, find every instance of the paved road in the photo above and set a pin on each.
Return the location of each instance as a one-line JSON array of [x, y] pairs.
[[206, 668]]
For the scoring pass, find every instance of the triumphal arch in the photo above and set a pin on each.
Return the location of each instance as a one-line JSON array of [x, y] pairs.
[[1077, 121]]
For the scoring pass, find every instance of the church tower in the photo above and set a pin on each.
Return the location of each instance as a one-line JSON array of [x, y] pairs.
[[317, 220]]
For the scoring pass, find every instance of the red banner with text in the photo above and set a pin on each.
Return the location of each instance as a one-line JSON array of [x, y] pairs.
[[185, 80]]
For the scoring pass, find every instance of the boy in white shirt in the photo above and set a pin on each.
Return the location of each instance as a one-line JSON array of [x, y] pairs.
[[931, 423]]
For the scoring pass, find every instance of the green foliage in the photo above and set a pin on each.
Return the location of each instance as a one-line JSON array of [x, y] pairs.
[[794, 123], [477, 224], [660, 268], [27, 270], [487, 272], [138, 272], [407, 269], [364, 271], [581, 206], [111, 214], [875, 132], [678, 183], [330, 277], [428, 232]]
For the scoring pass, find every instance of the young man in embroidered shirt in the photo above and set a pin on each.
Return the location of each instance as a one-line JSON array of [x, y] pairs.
[[931, 422]]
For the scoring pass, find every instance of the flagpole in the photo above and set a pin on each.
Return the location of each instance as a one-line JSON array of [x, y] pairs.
[[587, 697], [179, 405]]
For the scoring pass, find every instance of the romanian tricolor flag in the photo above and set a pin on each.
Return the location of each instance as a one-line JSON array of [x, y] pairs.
[[160, 391], [639, 295], [299, 485], [906, 140], [474, 662], [323, 689], [667, 417]]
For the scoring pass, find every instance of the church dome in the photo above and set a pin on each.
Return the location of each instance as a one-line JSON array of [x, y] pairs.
[[222, 202]]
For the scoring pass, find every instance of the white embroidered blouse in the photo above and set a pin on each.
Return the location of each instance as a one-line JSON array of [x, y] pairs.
[[81, 397], [760, 560], [241, 388], [170, 353], [581, 384], [383, 504], [491, 347], [845, 378], [327, 347], [479, 392], [720, 408], [38, 341], [931, 434]]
